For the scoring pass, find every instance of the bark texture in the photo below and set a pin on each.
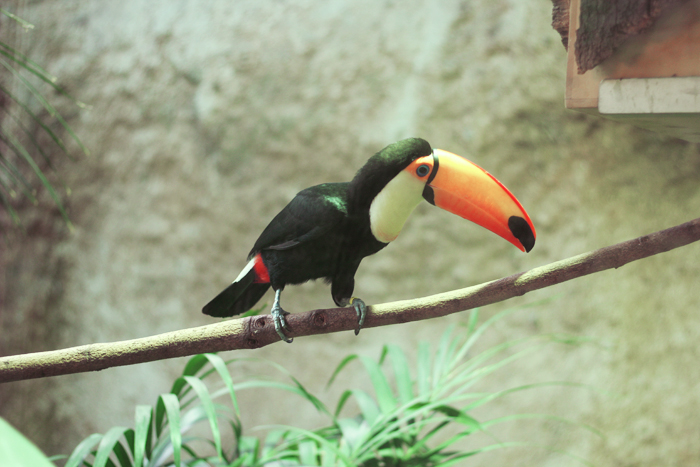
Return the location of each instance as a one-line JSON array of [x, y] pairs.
[[605, 24], [560, 20]]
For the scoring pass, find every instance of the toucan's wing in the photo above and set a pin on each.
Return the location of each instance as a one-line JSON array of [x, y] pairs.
[[311, 214]]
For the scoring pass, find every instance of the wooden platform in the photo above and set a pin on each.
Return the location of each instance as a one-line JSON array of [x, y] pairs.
[[652, 80]]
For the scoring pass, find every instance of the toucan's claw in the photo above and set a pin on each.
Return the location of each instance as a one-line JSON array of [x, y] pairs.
[[361, 310], [278, 315]]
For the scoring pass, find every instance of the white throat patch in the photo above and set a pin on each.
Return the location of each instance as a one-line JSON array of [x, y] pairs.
[[392, 206]]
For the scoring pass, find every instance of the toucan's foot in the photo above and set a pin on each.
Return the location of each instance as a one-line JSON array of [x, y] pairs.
[[361, 310], [278, 315]]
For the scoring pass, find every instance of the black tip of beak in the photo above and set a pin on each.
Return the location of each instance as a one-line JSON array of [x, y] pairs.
[[522, 231], [429, 194]]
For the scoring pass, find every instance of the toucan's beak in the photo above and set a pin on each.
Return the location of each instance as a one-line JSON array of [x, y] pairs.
[[465, 189]]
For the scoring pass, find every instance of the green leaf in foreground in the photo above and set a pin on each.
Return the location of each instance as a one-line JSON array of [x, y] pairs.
[[18, 451]]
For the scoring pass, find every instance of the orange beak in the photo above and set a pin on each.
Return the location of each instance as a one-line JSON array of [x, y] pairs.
[[463, 188]]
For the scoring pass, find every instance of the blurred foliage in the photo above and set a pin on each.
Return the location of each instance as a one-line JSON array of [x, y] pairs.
[[18, 451], [417, 416], [22, 127]]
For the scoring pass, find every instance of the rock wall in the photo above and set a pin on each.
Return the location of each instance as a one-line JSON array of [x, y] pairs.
[[207, 117]]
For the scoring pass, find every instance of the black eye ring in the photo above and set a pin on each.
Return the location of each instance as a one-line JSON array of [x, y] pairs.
[[423, 170]]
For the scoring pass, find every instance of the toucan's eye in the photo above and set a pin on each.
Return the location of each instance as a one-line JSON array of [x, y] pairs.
[[423, 170]]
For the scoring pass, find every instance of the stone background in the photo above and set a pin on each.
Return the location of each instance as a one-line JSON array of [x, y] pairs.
[[207, 117]]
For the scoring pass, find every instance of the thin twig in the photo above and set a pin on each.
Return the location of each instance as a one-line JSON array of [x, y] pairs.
[[258, 331]]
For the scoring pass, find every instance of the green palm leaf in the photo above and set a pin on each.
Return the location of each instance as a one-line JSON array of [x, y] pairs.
[[418, 415]]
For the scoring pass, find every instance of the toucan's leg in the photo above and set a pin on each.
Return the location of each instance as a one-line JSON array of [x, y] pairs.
[[361, 310], [278, 315], [341, 289]]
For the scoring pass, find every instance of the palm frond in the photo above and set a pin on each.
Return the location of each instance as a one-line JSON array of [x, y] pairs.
[[18, 64], [406, 422]]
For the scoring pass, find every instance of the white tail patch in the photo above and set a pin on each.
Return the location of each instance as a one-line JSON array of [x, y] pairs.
[[392, 206], [246, 269]]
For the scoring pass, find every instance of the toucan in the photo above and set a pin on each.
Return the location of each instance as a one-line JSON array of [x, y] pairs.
[[327, 229]]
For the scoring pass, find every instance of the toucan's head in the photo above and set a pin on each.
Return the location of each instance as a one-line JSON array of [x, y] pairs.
[[394, 181]]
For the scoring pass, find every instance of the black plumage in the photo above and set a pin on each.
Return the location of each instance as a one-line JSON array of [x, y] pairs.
[[324, 232]]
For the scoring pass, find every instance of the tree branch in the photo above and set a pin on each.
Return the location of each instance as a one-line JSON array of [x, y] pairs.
[[258, 331]]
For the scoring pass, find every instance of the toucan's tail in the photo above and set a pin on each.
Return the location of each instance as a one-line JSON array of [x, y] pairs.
[[243, 293]]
